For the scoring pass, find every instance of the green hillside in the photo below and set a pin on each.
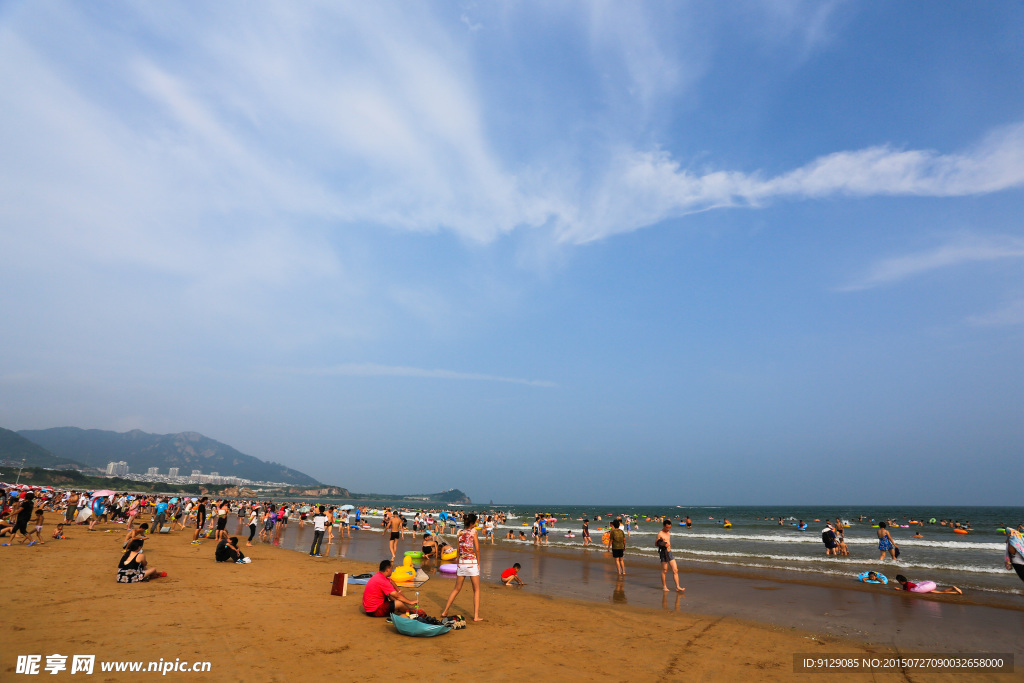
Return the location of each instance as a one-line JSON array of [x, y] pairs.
[[187, 451], [14, 448]]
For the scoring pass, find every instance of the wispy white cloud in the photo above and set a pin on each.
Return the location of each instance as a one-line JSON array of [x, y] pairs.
[[376, 370], [1009, 314], [297, 117], [644, 188], [964, 250]]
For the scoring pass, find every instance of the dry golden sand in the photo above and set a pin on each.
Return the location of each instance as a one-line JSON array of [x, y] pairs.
[[275, 620]]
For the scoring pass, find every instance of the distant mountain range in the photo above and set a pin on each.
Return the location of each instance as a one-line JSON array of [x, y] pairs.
[[187, 451], [14, 448]]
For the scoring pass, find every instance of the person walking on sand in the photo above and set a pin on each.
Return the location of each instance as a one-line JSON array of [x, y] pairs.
[[885, 542], [618, 546], [664, 543], [395, 528], [469, 565]]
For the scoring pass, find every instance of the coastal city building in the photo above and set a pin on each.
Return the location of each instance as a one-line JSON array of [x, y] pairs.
[[153, 470], [117, 469]]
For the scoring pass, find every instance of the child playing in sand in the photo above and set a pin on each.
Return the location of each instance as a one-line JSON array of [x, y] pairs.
[[134, 534], [511, 575], [58, 533], [39, 527]]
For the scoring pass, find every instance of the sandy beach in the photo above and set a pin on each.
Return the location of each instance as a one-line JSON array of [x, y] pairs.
[[275, 620]]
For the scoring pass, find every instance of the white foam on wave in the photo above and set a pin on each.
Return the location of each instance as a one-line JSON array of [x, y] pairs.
[[816, 563]]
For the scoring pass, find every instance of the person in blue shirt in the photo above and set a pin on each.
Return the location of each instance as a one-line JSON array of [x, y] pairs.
[[161, 514]]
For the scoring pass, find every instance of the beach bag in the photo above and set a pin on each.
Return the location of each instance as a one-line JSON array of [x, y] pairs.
[[360, 579], [416, 628]]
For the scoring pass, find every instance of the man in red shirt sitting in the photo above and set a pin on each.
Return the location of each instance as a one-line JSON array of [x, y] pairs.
[[511, 575], [381, 593]]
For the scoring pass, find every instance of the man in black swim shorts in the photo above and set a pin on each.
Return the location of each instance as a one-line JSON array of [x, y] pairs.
[[664, 544], [395, 527]]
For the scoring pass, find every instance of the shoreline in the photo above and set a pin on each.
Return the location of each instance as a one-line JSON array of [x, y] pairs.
[[777, 598], [274, 619]]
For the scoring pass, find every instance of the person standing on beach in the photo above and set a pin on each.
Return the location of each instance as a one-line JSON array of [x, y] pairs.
[[223, 509], [254, 516], [1014, 557], [840, 529], [618, 546], [394, 527], [200, 511], [69, 514], [885, 542], [664, 543], [586, 531], [345, 528], [319, 526], [469, 565], [333, 519], [268, 524], [160, 515]]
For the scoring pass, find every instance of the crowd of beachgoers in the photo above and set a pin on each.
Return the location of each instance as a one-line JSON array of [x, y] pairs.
[[36, 515]]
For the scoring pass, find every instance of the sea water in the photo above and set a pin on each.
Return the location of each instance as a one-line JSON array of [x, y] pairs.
[[973, 561]]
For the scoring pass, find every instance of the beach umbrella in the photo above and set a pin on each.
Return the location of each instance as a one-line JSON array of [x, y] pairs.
[[347, 507]]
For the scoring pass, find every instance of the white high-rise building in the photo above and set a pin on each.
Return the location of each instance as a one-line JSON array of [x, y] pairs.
[[117, 469], [173, 472], [153, 470]]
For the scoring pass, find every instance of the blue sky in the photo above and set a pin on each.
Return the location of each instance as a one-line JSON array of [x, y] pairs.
[[679, 253]]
